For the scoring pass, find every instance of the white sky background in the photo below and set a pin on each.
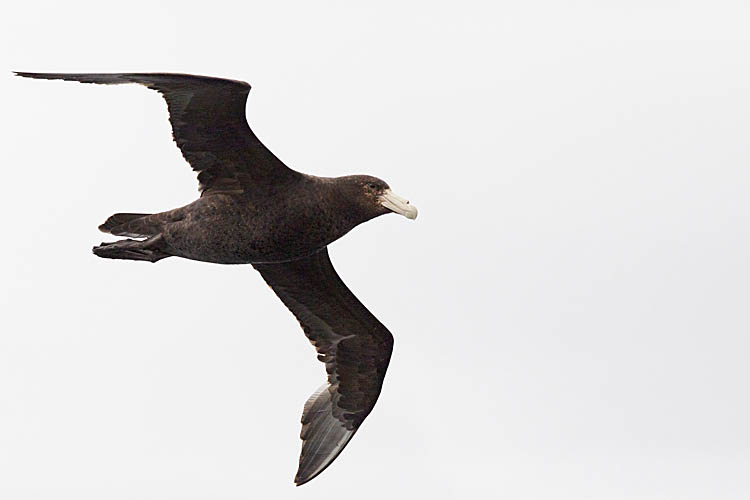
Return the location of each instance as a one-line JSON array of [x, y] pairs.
[[570, 308]]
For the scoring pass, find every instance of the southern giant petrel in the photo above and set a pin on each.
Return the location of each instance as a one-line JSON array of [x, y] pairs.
[[255, 210]]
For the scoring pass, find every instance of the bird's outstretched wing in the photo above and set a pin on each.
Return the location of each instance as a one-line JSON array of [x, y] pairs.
[[353, 344], [209, 126]]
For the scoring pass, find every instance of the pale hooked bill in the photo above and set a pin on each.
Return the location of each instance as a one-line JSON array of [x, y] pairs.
[[392, 201]]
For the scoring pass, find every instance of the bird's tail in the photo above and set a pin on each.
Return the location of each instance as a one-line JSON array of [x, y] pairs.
[[133, 225]]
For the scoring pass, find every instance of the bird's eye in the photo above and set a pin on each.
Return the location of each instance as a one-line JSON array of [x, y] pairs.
[[372, 186]]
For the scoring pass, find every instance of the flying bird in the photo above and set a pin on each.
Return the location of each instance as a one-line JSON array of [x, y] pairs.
[[255, 210]]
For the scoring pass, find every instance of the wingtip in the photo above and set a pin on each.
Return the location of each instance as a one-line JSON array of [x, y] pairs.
[[299, 479], [40, 76]]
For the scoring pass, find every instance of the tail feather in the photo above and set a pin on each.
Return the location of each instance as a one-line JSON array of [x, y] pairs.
[[132, 225], [119, 220]]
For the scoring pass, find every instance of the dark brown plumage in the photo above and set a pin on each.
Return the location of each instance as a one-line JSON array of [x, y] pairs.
[[353, 344], [255, 210]]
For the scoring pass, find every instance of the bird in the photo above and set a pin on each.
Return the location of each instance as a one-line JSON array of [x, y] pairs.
[[255, 210]]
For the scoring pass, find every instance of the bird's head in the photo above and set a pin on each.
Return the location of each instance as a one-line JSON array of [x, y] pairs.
[[372, 197]]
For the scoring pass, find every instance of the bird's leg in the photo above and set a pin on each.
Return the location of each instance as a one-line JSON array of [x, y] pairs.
[[151, 249]]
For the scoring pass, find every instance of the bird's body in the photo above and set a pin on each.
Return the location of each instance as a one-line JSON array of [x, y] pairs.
[[225, 228], [255, 210]]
